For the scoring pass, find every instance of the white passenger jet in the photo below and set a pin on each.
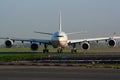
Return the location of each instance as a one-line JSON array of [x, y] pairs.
[[60, 40]]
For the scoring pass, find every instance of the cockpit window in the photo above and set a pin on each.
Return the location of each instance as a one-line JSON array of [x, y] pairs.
[[59, 36]]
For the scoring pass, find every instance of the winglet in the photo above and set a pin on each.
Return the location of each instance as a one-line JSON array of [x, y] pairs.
[[114, 34]]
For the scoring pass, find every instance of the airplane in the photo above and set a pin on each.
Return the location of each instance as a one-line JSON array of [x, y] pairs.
[[60, 40]]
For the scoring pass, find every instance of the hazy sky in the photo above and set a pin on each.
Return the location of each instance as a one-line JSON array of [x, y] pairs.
[[19, 18]]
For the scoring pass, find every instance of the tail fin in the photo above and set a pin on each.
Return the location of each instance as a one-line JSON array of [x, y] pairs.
[[60, 27]]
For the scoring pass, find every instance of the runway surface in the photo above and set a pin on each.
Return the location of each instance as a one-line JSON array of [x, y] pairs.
[[56, 73]]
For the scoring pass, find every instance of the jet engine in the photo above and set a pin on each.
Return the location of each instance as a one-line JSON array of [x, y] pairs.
[[112, 43], [34, 46], [85, 45], [9, 43]]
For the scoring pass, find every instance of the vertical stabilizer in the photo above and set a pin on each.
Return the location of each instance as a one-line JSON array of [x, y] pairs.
[[60, 28]]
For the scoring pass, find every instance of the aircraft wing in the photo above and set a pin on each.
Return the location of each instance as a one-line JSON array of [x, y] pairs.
[[28, 40], [92, 39]]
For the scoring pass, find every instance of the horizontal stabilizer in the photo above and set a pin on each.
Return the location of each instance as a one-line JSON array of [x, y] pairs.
[[77, 32], [43, 33]]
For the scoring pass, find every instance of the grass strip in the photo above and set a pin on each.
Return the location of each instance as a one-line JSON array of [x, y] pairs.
[[19, 57]]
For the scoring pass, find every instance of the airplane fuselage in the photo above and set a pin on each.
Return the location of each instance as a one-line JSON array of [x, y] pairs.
[[59, 39]]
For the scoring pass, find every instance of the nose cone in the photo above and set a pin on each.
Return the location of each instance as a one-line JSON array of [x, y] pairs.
[[59, 36], [59, 39]]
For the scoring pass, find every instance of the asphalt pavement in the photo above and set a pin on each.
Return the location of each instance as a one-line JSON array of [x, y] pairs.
[[56, 73]]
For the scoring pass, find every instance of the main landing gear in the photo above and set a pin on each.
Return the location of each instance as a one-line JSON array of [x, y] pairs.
[[45, 50], [74, 50], [60, 50]]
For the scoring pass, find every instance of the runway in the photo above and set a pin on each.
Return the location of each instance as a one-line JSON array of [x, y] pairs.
[[56, 73]]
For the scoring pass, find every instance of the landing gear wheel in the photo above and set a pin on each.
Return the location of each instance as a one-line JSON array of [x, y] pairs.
[[73, 50], [59, 50], [45, 51]]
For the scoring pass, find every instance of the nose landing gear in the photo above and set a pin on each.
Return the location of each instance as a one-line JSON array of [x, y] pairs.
[[59, 50]]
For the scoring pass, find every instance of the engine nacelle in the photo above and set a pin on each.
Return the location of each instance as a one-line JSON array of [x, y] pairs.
[[85, 45], [112, 43], [9, 43], [34, 46]]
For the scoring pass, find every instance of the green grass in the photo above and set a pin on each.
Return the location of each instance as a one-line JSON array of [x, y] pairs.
[[19, 57], [15, 50], [26, 55], [21, 50], [18, 54], [54, 50]]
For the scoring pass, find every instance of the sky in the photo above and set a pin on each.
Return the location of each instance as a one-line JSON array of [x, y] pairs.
[[19, 18]]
